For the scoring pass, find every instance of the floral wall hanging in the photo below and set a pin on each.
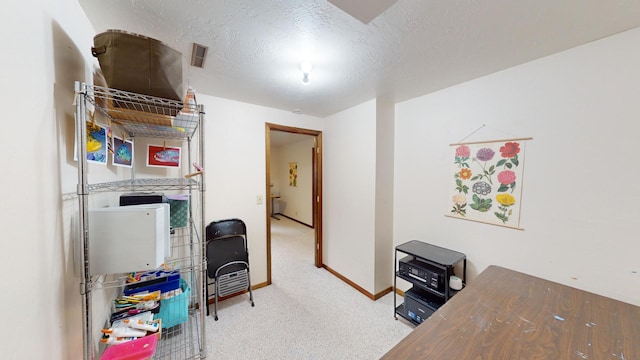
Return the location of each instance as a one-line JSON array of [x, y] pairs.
[[487, 181]]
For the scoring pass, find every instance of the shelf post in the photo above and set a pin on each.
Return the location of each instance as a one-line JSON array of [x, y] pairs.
[[81, 139]]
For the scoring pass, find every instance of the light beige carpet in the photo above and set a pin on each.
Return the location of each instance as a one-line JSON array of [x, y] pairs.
[[307, 313]]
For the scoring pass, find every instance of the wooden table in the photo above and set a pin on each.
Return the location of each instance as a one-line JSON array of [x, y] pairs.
[[505, 314]]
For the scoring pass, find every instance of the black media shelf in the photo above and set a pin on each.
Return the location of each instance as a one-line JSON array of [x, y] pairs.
[[426, 297]]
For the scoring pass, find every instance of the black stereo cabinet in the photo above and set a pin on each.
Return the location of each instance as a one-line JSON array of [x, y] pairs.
[[431, 268]]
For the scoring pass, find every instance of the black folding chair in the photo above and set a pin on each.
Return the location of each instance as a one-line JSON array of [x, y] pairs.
[[227, 260]]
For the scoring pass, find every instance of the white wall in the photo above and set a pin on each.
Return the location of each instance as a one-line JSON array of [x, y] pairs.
[[295, 201], [45, 48], [235, 167], [384, 194], [579, 202], [349, 172], [277, 180]]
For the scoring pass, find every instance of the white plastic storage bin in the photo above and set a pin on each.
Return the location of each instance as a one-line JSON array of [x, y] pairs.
[[128, 238]]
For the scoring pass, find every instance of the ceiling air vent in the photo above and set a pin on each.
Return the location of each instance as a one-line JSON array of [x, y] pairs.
[[198, 54]]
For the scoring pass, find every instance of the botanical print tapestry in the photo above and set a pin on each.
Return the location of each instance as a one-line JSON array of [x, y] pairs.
[[487, 181]]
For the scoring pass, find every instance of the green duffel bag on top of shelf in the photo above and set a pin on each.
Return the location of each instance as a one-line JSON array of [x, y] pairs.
[[139, 64]]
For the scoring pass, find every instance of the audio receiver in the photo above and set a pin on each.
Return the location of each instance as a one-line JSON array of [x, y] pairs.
[[428, 276]]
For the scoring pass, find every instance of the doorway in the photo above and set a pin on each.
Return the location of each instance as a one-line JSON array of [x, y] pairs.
[[316, 189]]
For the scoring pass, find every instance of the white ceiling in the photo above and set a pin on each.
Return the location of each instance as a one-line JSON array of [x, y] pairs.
[[281, 138], [412, 48]]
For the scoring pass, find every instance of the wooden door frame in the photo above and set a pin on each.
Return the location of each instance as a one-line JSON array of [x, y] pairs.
[[317, 189]]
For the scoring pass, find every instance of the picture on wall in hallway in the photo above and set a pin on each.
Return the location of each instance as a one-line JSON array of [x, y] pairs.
[[293, 174], [487, 181]]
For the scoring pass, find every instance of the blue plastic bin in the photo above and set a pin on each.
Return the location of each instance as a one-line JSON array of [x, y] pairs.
[[158, 280]]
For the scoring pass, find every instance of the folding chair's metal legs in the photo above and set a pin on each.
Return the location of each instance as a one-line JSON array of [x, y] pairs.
[[215, 296], [215, 302], [250, 292], [206, 296]]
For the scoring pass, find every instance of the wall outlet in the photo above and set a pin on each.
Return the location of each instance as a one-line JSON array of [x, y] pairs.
[[259, 200]]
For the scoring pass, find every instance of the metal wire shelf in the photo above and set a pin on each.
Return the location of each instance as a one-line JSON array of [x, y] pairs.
[[181, 341], [143, 115], [139, 115], [148, 184], [103, 282]]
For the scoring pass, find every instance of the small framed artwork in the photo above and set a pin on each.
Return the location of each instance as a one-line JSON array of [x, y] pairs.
[[293, 174], [163, 156], [97, 143], [122, 154]]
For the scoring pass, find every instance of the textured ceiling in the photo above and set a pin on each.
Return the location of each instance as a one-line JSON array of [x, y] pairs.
[[363, 11], [414, 47]]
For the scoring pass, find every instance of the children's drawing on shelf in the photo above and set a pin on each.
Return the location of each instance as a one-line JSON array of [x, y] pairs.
[[96, 143], [163, 156], [122, 152]]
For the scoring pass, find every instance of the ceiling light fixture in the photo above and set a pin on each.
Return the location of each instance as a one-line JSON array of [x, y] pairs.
[[306, 68]]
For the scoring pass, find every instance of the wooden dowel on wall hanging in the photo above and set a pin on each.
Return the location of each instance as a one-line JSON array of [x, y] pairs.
[[485, 222], [491, 141]]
